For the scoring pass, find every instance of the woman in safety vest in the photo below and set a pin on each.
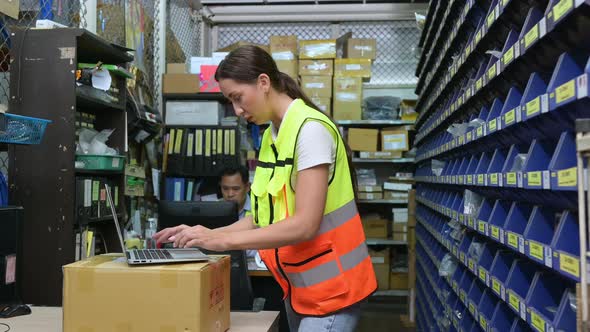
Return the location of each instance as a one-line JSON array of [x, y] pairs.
[[304, 216]]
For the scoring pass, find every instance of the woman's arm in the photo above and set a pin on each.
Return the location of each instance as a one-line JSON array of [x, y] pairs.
[[310, 201]]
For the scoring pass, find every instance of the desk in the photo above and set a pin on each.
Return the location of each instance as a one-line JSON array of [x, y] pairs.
[[49, 319]]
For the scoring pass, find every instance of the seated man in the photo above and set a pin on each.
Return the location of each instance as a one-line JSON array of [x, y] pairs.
[[235, 187]]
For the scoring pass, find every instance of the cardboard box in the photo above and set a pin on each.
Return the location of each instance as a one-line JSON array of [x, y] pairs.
[[375, 228], [283, 47], [412, 202], [380, 154], [317, 86], [395, 195], [397, 186], [289, 67], [194, 113], [400, 215], [317, 49], [352, 68], [208, 82], [316, 67], [370, 189], [370, 196], [412, 237], [381, 265], [176, 68], [324, 104], [400, 237], [197, 61], [408, 110], [361, 48], [172, 297], [347, 98], [235, 45], [363, 139], [394, 139], [400, 227], [398, 280], [180, 83]]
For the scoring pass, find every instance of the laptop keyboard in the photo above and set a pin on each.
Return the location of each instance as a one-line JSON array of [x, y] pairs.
[[145, 254]]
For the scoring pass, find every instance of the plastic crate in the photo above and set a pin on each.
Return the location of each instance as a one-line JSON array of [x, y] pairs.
[[103, 163], [22, 129]]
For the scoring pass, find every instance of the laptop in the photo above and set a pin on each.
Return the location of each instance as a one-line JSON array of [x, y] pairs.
[[154, 256]]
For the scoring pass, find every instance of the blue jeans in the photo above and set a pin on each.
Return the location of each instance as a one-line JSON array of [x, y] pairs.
[[344, 320]]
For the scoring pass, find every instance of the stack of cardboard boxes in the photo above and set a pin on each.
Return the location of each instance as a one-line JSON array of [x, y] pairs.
[[387, 143], [316, 69]]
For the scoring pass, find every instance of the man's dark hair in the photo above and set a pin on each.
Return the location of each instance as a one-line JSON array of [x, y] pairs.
[[233, 170]]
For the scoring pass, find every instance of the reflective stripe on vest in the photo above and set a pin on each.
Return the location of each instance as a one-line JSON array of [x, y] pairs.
[[338, 217], [330, 269]]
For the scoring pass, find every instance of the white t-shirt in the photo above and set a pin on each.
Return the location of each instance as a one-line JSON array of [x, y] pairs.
[[315, 146]]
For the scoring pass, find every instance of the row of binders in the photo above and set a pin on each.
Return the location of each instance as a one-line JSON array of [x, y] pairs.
[[200, 151], [181, 189], [91, 198]]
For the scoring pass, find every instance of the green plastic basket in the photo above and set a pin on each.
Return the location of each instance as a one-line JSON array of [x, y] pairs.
[[104, 163]]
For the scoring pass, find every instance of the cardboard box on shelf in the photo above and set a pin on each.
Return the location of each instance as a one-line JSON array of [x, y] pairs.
[[283, 47], [176, 68], [370, 196], [408, 110], [317, 49], [395, 195], [317, 86], [394, 139], [324, 104], [400, 237], [360, 139], [382, 266], [235, 45], [197, 61], [412, 202], [380, 154], [347, 98], [324, 67], [180, 83], [398, 281], [370, 189], [400, 215], [208, 82], [375, 228], [131, 298], [400, 227], [289, 67], [352, 68], [361, 48]]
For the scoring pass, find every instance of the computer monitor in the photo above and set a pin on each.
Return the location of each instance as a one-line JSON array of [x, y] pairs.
[[209, 214], [213, 215]]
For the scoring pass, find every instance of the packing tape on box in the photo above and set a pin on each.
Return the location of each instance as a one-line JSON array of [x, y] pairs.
[[319, 49], [85, 272]]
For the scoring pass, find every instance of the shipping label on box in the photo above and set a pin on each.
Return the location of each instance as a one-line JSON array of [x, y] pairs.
[[394, 195], [201, 293], [396, 186], [365, 48], [196, 62], [317, 86], [317, 49], [394, 140], [352, 68], [363, 139], [283, 47], [323, 67]]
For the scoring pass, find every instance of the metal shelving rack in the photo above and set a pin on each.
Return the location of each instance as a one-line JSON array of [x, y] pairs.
[[518, 154]]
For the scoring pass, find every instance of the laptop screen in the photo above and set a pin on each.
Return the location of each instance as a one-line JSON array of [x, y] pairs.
[[115, 217]]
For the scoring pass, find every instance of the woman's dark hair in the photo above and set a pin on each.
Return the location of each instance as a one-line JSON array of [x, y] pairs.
[[246, 63]]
